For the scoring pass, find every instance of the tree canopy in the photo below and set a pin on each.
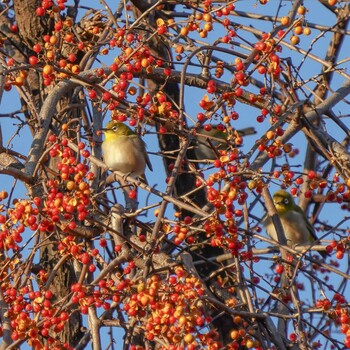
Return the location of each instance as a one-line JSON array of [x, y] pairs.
[[234, 100]]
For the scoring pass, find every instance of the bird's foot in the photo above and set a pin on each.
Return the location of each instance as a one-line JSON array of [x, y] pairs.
[[125, 176]]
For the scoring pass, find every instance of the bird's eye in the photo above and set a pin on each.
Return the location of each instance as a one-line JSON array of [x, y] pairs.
[[115, 128], [286, 201]]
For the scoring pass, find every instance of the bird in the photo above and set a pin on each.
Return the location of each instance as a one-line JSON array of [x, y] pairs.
[[124, 151], [296, 226], [204, 150]]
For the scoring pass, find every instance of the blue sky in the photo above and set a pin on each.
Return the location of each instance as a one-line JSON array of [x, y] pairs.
[[21, 142]]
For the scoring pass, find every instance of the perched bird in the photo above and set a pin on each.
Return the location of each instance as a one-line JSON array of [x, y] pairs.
[[296, 226], [124, 151], [205, 141]]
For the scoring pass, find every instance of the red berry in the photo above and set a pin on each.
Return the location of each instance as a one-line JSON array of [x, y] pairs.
[[72, 225], [48, 294], [106, 96], [132, 194], [92, 94], [103, 242], [33, 60], [85, 153], [40, 11], [167, 71], [279, 269]]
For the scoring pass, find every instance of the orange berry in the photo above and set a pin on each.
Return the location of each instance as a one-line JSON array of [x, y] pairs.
[[184, 31], [75, 69], [70, 185], [179, 49], [270, 135], [50, 55], [207, 17], [48, 70], [298, 30], [250, 343], [171, 22], [3, 195], [285, 20], [188, 338], [19, 81], [145, 63], [307, 31], [203, 34], [208, 26], [237, 320], [53, 39], [294, 39], [301, 10]]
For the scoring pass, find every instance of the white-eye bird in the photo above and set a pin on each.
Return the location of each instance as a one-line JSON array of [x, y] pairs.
[[203, 149], [124, 151], [296, 226]]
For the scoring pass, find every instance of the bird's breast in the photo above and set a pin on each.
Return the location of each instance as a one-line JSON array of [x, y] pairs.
[[124, 154], [294, 227]]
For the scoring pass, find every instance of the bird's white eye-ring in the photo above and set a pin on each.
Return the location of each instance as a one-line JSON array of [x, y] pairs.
[[286, 201], [115, 128]]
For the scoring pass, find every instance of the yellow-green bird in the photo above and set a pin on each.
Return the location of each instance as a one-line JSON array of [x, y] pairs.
[[124, 151], [296, 226]]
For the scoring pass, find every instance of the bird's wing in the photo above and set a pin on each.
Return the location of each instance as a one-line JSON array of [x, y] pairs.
[[310, 228], [246, 131], [148, 162]]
